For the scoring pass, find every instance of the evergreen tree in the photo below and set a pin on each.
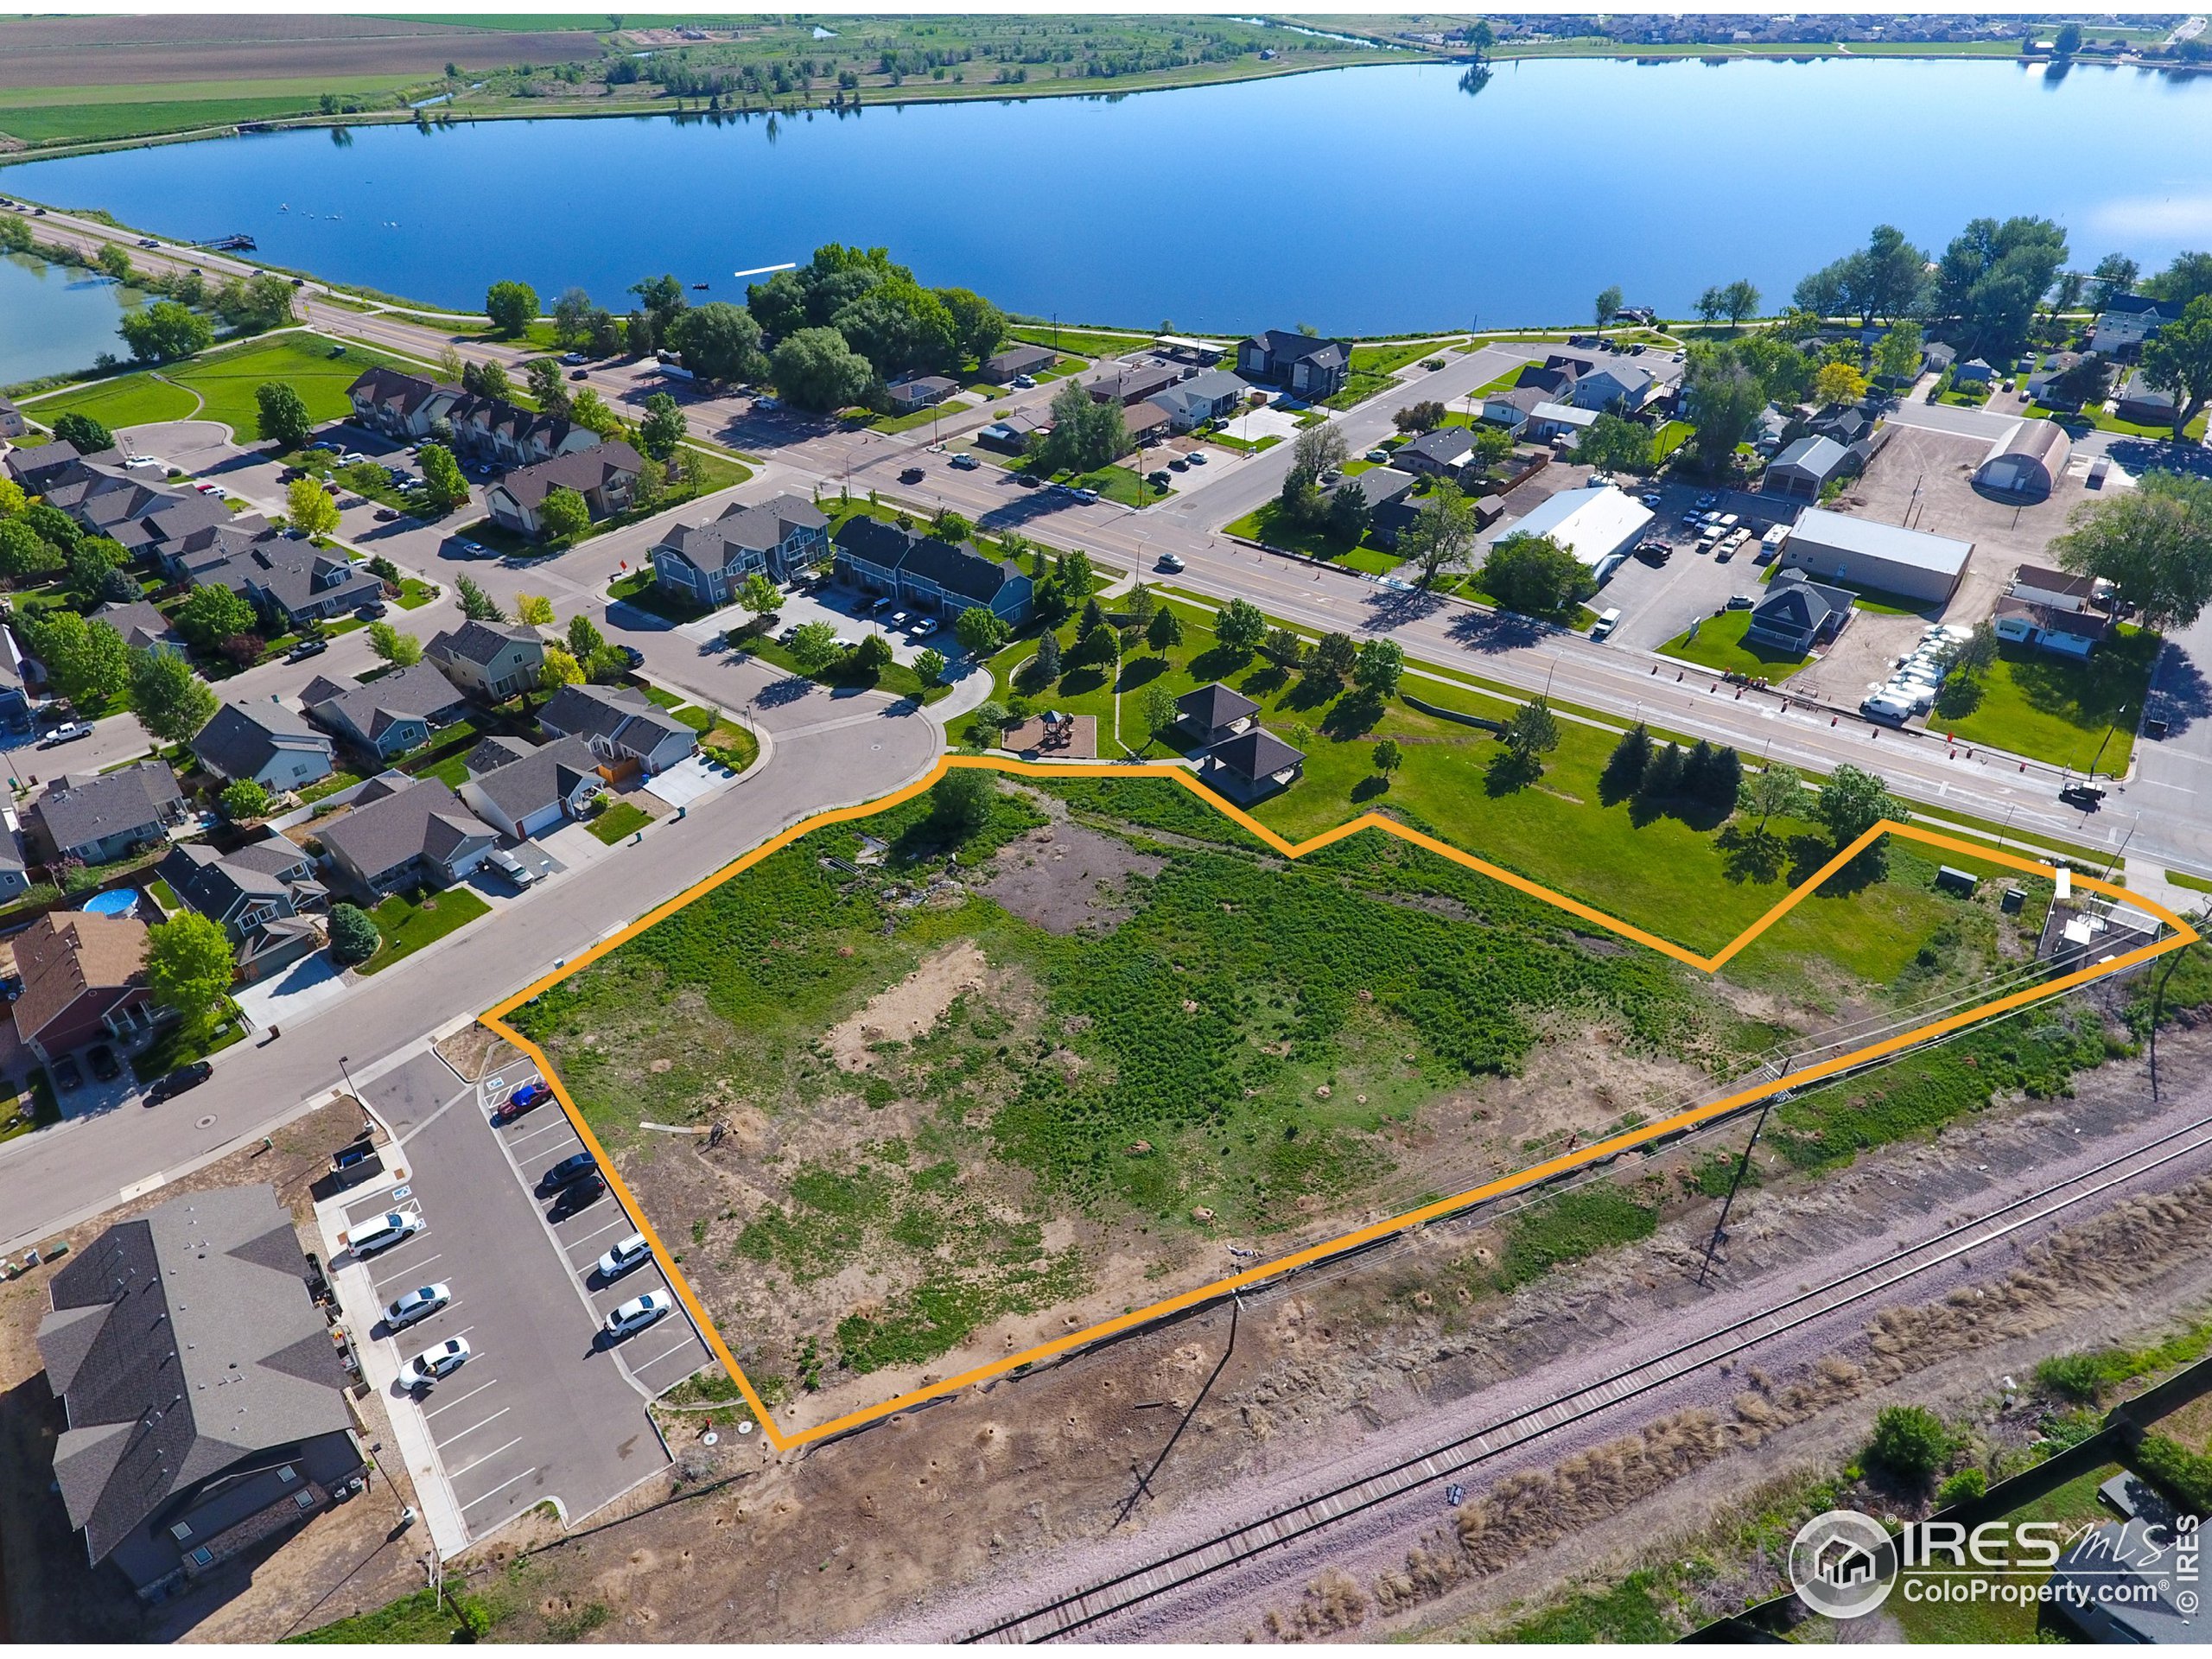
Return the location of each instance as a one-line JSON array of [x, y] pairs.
[[1662, 775], [1624, 770], [1726, 779]]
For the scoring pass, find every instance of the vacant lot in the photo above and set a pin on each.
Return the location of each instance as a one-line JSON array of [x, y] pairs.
[[2052, 708], [220, 386], [115, 52], [930, 1112]]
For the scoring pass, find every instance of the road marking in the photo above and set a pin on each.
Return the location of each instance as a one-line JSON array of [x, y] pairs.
[[664, 1354], [473, 1427], [488, 1382], [515, 1141], [383, 1284], [481, 1461], [586, 1241], [501, 1487]]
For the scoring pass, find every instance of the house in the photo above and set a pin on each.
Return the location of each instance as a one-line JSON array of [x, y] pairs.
[[1513, 410], [12, 424], [205, 1401], [1011, 434], [1303, 364], [1800, 472], [1386, 491], [390, 715], [2126, 322], [259, 894], [1796, 614], [407, 832], [1843, 423], [2144, 404], [1621, 388], [399, 405], [265, 742], [2121, 1583], [15, 695], [1439, 454], [1252, 765], [84, 978], [2027, 460], [491, 661], [294, 583], [1575, 366], [490, 430], [1018, 360], [1146, 423], [1210, 395], [923, 391], [1213, 713], [922, 570], [143, 627], [1887, 558], [14, 873], [1549, 422], [39, 470], [1555, 379], [1132, 386], [522, 794], [708, 564], [2059, 589], [606, 475], [97, 818], [1935, 356], [1972, 373], [622, 726], [2050, 627], [1600, 525]]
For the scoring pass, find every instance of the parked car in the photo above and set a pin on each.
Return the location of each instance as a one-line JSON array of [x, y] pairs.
[[573, 1167], [1024, 382], [910, 475], [633, 656], [572, 357], [898, 619], [923, 627], [351, 458], [1085, 495], [512, 868], [474, 549], [964, 462], [67, 732], [382, 1232], [1198, 457], [1178, 464], [1607, 621], [101, 1058], [578, 1196], [306, 649], [432, 1364], [623, 1257], [1159, 476], [386, 515], [526, 1098], [416, 1305], [1655, 554], [1170, 562], [66, 1073], [177, 1081], [370, 611], [1740, 602], [579, 374], [638, 1312]]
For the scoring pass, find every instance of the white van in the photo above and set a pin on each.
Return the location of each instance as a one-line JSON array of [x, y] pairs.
[[1886, 708], [1607, 621]]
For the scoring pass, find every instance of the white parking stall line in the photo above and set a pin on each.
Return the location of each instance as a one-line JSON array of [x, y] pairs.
[[487, 1383], [501, 1487], [514, 1141], [577, 1243], [664, 1354], [473, 1427], [457, 1473], [386, 1284]]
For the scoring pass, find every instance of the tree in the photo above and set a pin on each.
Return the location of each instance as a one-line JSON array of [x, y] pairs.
[[572, 316], [558, 669], [584, 636], [1993, 275], [1333, 659], [1387, 756], [1349, 514], [1535, 574], [212, 613], [2153, 543], [1419, 418], [980, 632], [1442, 535], [951, 526], [1085, 434], [95, 574], [590, 410], [549, 386], [2114, 275], [2067, 41], [475, 604], [1909, 1441], [171, 701], [1775, 792], [1045, 667], [353, 936], [1283, 647], [900, 327], [1722, 397], [12, 498], [978, 326], [1838, 383], [961, 804], [1853, 802], [84, 434], [388, 645], [1886, 278], [1624, 768], [1240, 627], [815, 369], [1492, 445], [606, 334], [2189, 278], [1607, 306], [258, 302], [85, 662], [1740, 301], [1531, 734], [1710, 304], [929, 665], [444, 488], [663, 298], [1898, 353], [311, 507], [53, 526], [535, 610], [2081, 383], [281, 414], [1165, 631], [2178, 359], [873, 654], [244, 799], [663, 426], [1612, 443], [189, 967], [512, 306], [721, 341], [1159, 711], [1318, 449], [1379, 667], [564, 514], [814, 646], [606, 666], [165, 331], [115, 260], [488, 380]]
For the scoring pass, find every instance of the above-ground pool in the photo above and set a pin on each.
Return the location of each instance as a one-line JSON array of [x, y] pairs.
[[116, 901]]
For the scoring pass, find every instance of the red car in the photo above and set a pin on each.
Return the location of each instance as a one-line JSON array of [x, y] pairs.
[[526, 1098]]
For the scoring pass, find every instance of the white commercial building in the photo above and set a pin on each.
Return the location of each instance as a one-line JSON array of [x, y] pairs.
[[1600, 526], [1860, 553]]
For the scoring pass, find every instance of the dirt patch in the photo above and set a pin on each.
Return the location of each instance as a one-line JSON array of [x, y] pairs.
[[911, 1008], [1064, 877], [475, 1051]]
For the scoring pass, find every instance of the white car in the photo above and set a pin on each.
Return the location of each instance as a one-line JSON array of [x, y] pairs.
[[923, 627], [432, 1364], [637, 1313], [384, 1231], [572, 358], [1024, 382], [899, 619], [1196, 457], [417, 1304], [624, 1256]]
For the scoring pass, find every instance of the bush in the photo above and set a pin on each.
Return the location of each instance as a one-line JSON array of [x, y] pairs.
[[1968, 1483], [244, 799], [2175, 1471], [1909, 1441], [353, 936]]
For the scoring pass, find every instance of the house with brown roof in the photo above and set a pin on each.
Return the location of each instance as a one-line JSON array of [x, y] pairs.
[[84, 978], [606, 475]]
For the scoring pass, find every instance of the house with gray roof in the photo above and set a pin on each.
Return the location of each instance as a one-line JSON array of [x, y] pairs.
[[15, 695], [143, 627], [400, 405], [1806, 467], [491, 661], [920, 392], [294, 583], [606, 475], [2142, 403], [1512, 409], [12, 424], [405, 832], [1214, 713], [1252, 766], [1303, 365], [262, 895], [387, 715], [1016, 360], [621, 727], [204, 1397], [708, 564], [1207, 395], [98, 818], [266, 741], [1439, 454], [1797, 613], [922, 570], [2125, 1582], [1622, 388], [527, 794]]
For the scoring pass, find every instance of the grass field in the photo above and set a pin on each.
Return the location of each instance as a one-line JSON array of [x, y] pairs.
[[115, 117], [2070, 713], [621, 819], [224, 381], [1720, 644], [1267, 524]]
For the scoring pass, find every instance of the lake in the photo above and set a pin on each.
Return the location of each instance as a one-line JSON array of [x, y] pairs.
[[56, 319], [1362, 200]]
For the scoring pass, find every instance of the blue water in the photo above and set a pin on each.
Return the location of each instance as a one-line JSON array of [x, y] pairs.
[[119, 901], [55, 318], [1364, 200]]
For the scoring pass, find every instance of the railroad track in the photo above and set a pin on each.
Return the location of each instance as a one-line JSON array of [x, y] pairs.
[[1226, 1550]]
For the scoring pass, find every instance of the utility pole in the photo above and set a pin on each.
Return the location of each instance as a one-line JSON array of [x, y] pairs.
[[2158, 1003], [1743, 1163]]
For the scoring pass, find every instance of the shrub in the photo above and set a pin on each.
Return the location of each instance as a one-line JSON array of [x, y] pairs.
[[353, 936], [1968, 1483], [1909, 1441]]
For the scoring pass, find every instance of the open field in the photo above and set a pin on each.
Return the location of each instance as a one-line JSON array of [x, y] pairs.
[[224, 382], [2068, 713]]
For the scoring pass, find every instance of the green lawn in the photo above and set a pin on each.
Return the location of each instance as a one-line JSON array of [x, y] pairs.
[[226, 380], [1242, 446], [2075, 419], [175, 1046], [2183, 879], [409, 923], [1082, 341], [414, 593], [128, 400], [622, 818], [1718, 643], [895, 678], [2051, 708], [1980, 1622], [1267, 523]]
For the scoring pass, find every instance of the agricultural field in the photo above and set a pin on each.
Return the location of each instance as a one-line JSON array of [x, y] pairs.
[[917, 1093]]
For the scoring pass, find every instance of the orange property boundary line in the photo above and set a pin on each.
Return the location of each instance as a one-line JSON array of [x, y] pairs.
[[2180, 937]]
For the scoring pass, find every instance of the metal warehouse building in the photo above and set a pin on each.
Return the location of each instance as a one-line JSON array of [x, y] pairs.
[[1859, 553]]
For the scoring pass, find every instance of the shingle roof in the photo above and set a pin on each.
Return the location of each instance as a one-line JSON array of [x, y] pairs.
[[65, 954], [742, 529], [239, 738], [1445, 447], [960, 570], [1214, 706], [139, 624], [1255, 754], [614, 713], [581, 470], [1284, 347], [1818, 456], [1019, 360], [481, 643], [76, 811], [540, 777], [211, 884], [419, 692], [424, 820], [183, 1340]]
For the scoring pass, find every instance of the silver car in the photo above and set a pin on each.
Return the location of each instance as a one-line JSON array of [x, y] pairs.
[[416, 1305], [624, 1256]]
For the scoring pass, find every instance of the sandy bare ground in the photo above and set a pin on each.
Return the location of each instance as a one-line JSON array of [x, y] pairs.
[[911, 1008], [152, 51]]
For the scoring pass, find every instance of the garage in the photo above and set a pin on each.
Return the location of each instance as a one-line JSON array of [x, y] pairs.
[[1600, 526], [2026, 462], [1886, 558]]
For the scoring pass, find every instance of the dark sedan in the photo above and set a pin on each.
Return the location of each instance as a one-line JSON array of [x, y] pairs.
[[573, 1167], [176, 1082]]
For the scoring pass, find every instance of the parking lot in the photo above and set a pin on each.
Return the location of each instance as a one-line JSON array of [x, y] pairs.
[[545, 1407], [1657, 602]]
